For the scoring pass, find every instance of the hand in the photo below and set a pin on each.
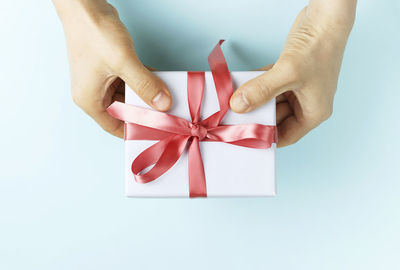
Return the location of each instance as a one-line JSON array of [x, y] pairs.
[[101, 57], [304, 79]]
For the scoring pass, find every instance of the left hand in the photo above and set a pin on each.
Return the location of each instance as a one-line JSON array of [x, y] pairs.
[[304, 79]]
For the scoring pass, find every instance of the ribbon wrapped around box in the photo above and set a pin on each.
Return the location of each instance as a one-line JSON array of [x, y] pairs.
[[224, 154]]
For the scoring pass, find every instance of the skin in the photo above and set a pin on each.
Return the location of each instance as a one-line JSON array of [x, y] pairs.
[[102, 57], [303, 80]]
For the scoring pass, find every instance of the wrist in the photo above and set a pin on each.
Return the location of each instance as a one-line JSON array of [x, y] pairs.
[[336, 15], [83, 11]]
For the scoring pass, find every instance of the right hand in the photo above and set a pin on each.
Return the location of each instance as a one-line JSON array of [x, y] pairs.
[[102, 57]]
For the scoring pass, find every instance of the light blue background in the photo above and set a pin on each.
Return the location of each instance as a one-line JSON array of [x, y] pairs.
[[62, 203]]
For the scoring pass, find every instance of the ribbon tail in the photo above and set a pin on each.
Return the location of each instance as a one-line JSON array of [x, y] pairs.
[[197, 178], [195, 90], [222, 80]]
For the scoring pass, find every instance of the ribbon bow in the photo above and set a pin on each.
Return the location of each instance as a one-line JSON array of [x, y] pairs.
[[174, 133]]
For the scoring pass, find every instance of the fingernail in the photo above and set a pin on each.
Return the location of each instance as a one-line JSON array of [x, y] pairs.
[[161, 101], [240, 103]]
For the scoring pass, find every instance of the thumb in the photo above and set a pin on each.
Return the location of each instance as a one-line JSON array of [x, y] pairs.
[[150, 88], [262, 89]]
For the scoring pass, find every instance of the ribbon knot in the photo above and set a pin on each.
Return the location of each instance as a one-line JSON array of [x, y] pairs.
[[198, 131], [174, 133]]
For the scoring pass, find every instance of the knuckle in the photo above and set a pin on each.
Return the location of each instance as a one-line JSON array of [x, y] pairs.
[[77, 98], [293, 140], [327, 113], [264, 92], [112, 129], [288, 139], [322, 115]]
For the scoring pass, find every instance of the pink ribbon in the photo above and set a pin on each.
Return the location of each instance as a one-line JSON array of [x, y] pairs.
[[174, 133]]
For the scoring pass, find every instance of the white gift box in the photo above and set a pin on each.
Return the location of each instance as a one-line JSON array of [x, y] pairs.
[[230, 170]]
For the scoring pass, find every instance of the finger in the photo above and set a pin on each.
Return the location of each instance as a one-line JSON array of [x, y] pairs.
[[261, 89], [266, 68], [294, 126], [108, 123], [283, 111], [146, 85], [281, 98], [97, 110], [290, 131], [150, 68], [93, 98]]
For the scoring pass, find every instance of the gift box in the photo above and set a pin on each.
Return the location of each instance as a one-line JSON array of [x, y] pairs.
[[225, 155]]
